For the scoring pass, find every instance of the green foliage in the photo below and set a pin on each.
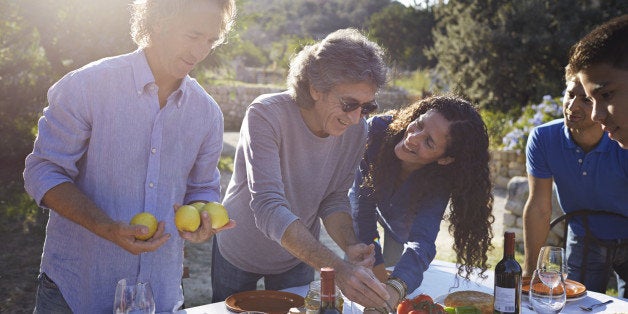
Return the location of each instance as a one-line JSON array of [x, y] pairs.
[[531, 115], [225, 164], [24, 78], [404, 32], [503, 54], [16, 205], [416, 83], [282, 51], [497, 126], [75, 32], [274, 26]]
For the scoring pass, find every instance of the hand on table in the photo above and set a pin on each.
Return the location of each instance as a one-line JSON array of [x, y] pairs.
[[359, 285]]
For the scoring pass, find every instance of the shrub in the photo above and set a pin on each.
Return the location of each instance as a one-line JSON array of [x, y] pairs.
[[531, 116], [497, 124]]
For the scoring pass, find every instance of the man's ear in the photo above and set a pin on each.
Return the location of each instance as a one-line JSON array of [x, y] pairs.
[[445, 161], [316, 95]]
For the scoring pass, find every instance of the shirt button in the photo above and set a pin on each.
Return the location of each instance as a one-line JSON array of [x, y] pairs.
[[151, 184], [579, 160], [153, 150], [584, 173]]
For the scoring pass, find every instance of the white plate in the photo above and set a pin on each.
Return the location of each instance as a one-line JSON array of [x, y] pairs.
[[440, 299]]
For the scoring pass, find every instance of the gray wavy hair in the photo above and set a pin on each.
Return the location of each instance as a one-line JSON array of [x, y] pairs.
[[344, 56], [146, 13]]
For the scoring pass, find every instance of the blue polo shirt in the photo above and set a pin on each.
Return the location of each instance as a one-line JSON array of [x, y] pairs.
[[594, 180]]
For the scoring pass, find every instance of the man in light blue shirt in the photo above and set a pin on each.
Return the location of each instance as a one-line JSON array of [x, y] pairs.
[[123, 135]]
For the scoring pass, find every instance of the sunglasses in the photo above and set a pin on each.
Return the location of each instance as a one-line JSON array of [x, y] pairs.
[[349, 106]]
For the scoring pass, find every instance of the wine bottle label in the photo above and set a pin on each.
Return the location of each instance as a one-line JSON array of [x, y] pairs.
[[505, 299]]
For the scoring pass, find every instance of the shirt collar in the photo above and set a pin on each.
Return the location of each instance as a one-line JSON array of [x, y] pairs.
[[569, 143], [143, 76]]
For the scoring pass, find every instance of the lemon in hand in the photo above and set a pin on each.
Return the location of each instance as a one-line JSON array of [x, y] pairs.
[[217, 213], [198, 206], [187, 218], [148, 220]]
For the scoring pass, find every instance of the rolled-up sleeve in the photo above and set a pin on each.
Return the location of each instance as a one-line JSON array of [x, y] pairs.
[[63, 135]]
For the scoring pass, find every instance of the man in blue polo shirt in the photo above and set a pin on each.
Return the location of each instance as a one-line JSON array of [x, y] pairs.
[[589, 171]]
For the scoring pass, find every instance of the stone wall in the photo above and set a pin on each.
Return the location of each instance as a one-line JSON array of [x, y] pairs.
[[234, 100], [518, 192], [509, 172], [506, 165]]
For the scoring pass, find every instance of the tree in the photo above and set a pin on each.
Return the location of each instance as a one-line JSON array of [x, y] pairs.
[[503, 55], [42, 40], [24, 77], [75, 32], [270, 21], [405, 32]]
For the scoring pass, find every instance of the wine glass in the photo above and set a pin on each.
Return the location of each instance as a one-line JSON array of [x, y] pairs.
[[133, 298], [547, 291], [553, 258]]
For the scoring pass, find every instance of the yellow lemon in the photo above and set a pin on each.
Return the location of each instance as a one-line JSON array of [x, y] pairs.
[[198, 206], [217, 213], [187, 218], [148, 220]]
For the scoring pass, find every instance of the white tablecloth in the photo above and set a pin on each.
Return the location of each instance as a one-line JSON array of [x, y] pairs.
[[440, 280]]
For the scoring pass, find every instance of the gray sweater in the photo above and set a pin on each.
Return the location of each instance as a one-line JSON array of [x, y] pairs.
[[283, 172]]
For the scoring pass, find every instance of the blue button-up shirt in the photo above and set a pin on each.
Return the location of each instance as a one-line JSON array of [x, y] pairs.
[[104, 131]]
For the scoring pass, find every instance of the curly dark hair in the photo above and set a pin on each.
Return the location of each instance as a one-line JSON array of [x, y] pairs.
[[607, 43], [467, 178]]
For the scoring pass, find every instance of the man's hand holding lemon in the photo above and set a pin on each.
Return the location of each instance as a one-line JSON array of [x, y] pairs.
[[198, 221], [143, 233]]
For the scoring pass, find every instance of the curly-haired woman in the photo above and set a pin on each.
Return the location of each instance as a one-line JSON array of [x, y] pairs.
[[419, 159]]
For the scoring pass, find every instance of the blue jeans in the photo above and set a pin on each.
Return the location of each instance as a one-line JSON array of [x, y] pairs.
[[49, 299], [233, 279], [597, 274]]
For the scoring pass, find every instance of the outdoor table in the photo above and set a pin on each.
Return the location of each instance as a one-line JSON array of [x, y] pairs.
[[438, 281]]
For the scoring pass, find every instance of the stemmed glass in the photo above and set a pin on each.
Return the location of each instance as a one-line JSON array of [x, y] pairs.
[[547, 291], [133, 298], [553, 258]]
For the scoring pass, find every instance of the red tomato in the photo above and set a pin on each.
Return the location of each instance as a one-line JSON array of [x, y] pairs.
[[438, 309], [424, 305], [421, 304], [422, 297], [404, 307]]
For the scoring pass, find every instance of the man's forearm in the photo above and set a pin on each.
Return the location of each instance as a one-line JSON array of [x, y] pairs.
[[301, 243], [536, 229], [339, 226], [68, 201]]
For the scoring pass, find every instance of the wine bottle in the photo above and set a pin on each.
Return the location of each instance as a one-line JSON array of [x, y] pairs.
[[328, 291], [507, 288]]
